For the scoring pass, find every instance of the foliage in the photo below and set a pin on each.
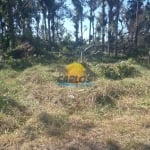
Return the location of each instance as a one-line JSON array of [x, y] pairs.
[[118, 71], [42, 23], [138, 52]]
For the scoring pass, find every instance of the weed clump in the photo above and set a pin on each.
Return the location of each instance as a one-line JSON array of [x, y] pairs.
[[118, 71]]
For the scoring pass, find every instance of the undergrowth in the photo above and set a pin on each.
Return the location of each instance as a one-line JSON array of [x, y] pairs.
[[36, 113], [118, 70]]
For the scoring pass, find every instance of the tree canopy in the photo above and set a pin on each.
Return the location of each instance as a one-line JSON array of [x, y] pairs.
[[115, 25]]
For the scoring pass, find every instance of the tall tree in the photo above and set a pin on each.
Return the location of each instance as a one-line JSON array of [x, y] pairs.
[[117, 12], [78, 18], [3, 5], [10, 18], [49, 9], [133, 14], [111, 4], [93, 5], [44, 16], [101, 24], [113, 17], [37, 16], [104, 21]]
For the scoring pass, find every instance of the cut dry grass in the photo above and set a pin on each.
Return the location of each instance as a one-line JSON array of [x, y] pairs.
[[36, 113]]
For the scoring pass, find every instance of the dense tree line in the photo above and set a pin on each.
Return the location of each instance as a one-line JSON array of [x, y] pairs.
[[116, 25]]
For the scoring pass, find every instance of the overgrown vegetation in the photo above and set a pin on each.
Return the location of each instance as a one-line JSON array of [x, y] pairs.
[[118, 70], [35, 47], [111, 114]]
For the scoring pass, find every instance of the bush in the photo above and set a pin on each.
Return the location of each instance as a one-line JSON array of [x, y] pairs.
[[118, 71]]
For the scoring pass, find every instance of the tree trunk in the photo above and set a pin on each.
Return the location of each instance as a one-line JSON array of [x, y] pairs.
[[76, 32], [116, 27], [2, 34], [93, 35], [45, 26], [37, 24], [11, 25], [103, 26], [81, 27], [90, 18], [109, 32], [49, 27], [136, 30], [53, 28]]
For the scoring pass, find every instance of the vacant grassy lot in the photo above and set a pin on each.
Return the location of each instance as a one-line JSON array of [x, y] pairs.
[[37, 114]]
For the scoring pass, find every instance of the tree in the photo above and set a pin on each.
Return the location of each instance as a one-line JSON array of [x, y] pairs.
[[11, 23], [2, 22], [144, 27], [44, 13], [117, 10], [113, 16], [104, 22], [49, 10], [93, 5], [78, 17], [147, 25], [134, 13], [101, 24], [37, 16]]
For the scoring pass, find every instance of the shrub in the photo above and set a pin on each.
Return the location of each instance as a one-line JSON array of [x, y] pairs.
[[109, 71], [118, 71]]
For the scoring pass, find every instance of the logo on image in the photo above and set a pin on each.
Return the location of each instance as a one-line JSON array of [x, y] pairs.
[[76, 74]]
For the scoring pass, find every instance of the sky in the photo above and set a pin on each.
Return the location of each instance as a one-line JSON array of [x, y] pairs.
[[69, 25]]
